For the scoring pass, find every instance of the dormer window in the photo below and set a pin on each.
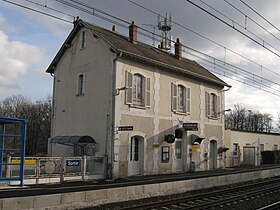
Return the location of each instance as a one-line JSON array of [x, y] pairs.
[[138, 90]]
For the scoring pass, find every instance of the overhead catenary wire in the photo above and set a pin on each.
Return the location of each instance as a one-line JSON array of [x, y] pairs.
[[35, 10], [260, 15], [174, 42], [263, 44], [255, 22]]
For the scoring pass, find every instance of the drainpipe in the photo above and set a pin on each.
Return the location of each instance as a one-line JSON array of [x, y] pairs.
[[110, 154]]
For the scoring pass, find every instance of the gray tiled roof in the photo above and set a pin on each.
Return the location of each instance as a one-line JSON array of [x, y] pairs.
[[148, 54]]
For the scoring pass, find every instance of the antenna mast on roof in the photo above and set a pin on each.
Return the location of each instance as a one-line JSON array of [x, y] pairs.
[[165, 27]]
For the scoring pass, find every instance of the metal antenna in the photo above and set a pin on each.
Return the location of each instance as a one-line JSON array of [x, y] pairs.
[[165, 27]]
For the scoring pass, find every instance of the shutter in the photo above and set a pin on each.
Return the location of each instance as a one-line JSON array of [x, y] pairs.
[[128, 85], [148, 92], [207, 104], [173, 97], [188, 100], [218, 106]]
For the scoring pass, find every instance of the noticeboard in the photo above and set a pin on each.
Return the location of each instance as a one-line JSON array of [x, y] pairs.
[[190, 126]]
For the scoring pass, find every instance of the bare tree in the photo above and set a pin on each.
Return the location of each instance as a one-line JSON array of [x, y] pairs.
[[38, 115], [241, 118]]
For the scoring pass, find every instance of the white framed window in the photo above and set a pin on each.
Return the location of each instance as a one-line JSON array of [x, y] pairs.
[[83, 40], [180, 98], [235, 149], [261, 147], [138, 90], [81, 77], [213, 105]]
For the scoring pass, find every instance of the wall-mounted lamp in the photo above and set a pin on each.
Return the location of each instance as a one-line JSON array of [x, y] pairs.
[[117, 91]]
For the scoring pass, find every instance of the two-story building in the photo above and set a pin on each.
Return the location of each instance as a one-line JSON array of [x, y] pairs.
[[136, 101]]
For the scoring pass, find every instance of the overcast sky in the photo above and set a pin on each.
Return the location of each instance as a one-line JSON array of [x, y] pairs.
[[29, 41]]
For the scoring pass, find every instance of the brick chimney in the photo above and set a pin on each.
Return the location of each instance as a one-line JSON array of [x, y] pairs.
[[178, 49], [133, 33]]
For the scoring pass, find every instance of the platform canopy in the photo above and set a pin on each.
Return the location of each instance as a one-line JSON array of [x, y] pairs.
[[73, 140], [196, 139]]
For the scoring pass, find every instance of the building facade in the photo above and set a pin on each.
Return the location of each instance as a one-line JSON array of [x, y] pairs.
[[136, 101], [245, 147]]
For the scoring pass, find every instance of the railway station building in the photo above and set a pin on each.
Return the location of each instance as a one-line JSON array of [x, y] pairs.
[[146, 110]]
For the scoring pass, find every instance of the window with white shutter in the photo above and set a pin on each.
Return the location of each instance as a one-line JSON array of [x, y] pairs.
[[213, 105], [138, 90], [180, 98]]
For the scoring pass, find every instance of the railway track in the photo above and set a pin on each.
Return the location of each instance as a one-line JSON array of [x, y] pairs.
[[228, 198]]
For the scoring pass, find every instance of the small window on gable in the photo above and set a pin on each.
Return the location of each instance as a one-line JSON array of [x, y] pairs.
[[80, 84], [180, 98], [213, 105], [83, 40], [138, 90]]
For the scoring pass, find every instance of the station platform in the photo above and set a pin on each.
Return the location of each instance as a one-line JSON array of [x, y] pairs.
[[79, 195]]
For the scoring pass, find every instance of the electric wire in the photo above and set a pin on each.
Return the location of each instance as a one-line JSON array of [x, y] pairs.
[[263, 43], [264, 84], [255, 22], [35, 10], [260, 16]]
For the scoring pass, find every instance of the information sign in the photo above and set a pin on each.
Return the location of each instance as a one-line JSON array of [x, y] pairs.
[[190, 126]]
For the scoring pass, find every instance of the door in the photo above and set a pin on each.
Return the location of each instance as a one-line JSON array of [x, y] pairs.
[[178, 155], [135, 158], [249, 156], [213, 155]]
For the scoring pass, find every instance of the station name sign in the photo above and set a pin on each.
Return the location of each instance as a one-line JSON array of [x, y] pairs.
[[125, 128], [73, 162], [190, 126]]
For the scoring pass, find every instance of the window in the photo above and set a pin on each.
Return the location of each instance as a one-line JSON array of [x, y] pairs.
[[165, 154], [178, 149], [261, 147], [138, 90], [213, 105], [83, 40], [180, 98], [235, 149], [134, 149], [275, 147], [80, 84]]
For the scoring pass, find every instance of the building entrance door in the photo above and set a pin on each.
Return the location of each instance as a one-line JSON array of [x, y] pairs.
[[178, 155], [213, 155], [135, 159]]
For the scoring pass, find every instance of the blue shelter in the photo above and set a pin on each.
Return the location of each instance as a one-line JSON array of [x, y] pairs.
[[12, 141]]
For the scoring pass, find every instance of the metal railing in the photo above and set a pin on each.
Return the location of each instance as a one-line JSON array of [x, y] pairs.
[[65, 168]]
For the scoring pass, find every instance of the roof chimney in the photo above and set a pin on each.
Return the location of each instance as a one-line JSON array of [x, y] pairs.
[[133, 33], [178, 49], [114, 28], [76, 21]]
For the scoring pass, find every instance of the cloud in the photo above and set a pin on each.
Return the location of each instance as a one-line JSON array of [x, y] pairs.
[[251, 99], [17, 59]]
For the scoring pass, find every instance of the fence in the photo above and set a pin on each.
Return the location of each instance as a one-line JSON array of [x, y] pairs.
[[58, 168]]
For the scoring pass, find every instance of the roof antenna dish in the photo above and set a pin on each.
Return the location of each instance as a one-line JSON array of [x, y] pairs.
[[165, 26]]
